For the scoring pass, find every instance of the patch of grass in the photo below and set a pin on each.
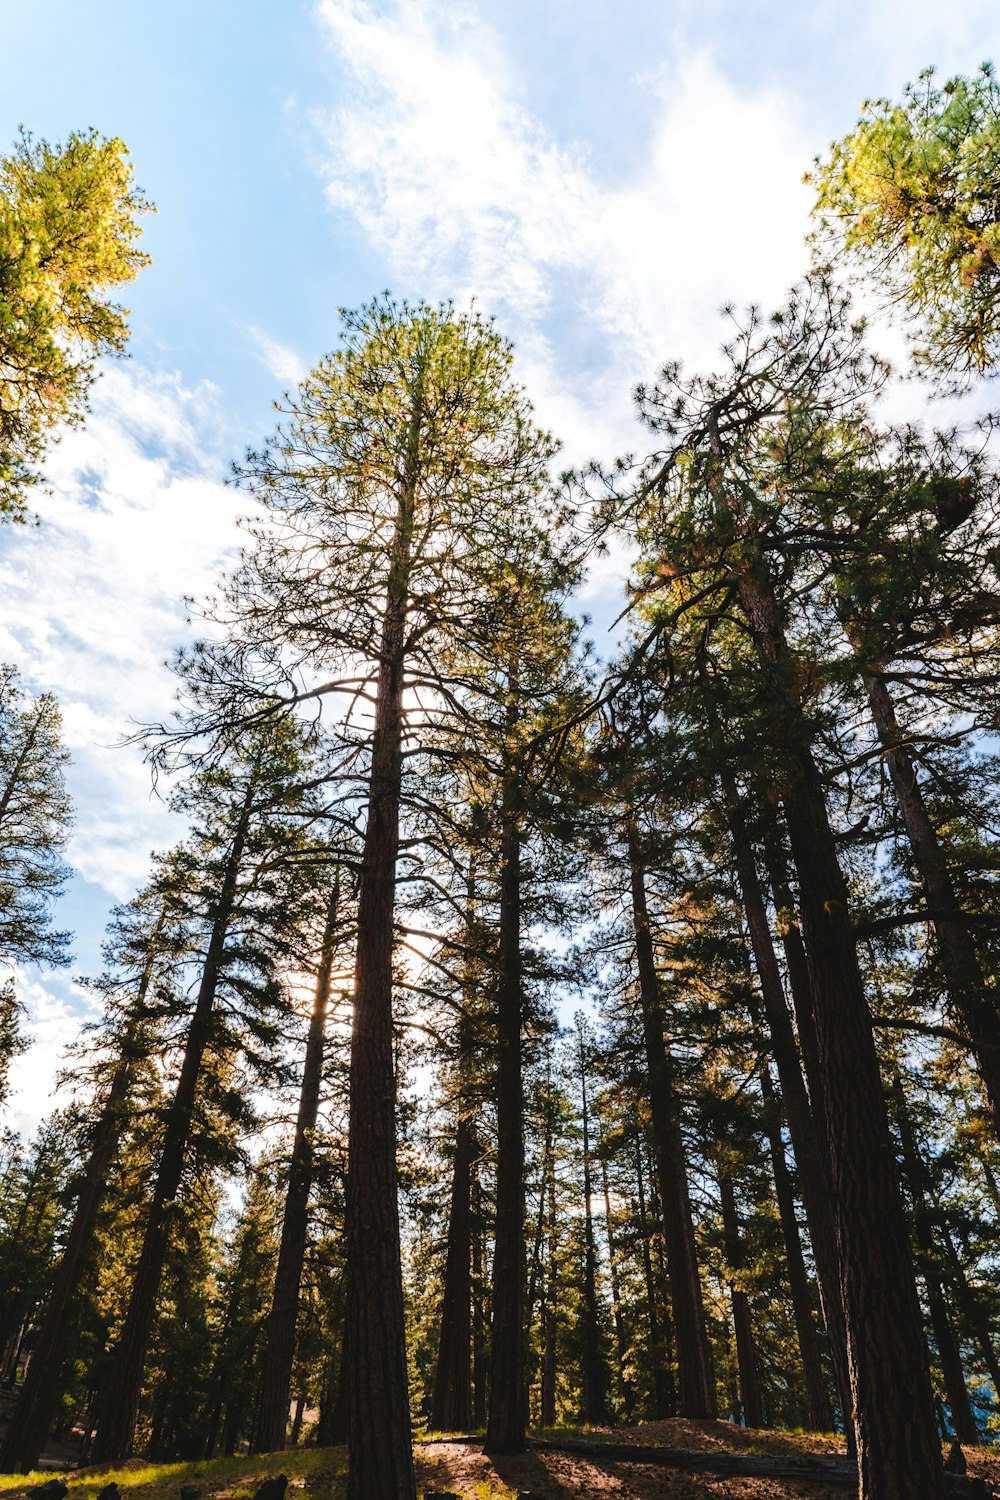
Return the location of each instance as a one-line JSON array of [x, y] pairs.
[[482, 1489], [318, 1471]]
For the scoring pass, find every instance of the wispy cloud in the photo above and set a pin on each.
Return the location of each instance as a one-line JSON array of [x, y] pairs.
[[435, 156], [432, 151], [57, 1013], [135, 517], [280, 361]]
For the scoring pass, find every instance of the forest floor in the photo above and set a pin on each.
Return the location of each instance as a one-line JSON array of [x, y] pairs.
[[462, 1468]]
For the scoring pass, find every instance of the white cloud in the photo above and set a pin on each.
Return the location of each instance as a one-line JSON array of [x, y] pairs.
[[432, 151], [136, 517], [57, 1016], [280, 361], [465, 194]]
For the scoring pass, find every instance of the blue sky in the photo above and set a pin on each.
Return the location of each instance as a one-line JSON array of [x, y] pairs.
[[601, 176]]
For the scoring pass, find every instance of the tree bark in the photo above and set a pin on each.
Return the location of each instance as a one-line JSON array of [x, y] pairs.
[[664, 1388], [621, 1340], [451, 1409], [119, 1400], [36, 1405], [899, 1455], [233, 1423], [300, 1409], [811, 1157], [547, 1166], [279, 1348], [967, 985], [594, 1369], [776, 863], [948, 1349], [973, 1311], [451, 1405], [746, 1352], [479, 1361], [380, 1463], [507, 1417], [800, 985], [695, 1375], [214, 1422], [548, 1382], [818, 1408]]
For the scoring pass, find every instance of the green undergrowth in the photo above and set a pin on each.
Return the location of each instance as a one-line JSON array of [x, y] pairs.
[[317, 1471], [314, 1474]]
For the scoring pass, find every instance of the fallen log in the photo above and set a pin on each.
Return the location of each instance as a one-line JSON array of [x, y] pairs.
[[828, 1469], [841, 1472], [836, 1472]]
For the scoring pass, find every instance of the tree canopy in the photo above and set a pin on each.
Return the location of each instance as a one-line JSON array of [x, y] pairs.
[[69, 235], [910, 196], [331, 1164]]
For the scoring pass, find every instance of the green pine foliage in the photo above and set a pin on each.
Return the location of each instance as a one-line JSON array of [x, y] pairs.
[[68, 237], [35, 821], [398, 700], [909, 198]]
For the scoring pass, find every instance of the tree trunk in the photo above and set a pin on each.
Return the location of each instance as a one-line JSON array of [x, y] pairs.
[[22, 1309], [746, 1353], [548, 1383], [214, 1422], [14, 1348], [119, 1400], [36, 1405], [696, 1379], [899, 1455], [973, 1312], [547, 1411], [948, 1349], [507, 1418], [380, 1444], [334, 1416], [992, 1186], [535, 1272], [300, 1409], [664, 1388], [279, 1348], [594, 1369], [326, 1435], [776, 862], [479, 1361], [963, 973], [819, 1411], [621, 1340], [809, 1147], [233, 1423], [824, 1233], [451, 1406]]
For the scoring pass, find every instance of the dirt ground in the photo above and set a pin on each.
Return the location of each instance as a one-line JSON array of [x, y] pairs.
[[563, 1476], [459, 1466]]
